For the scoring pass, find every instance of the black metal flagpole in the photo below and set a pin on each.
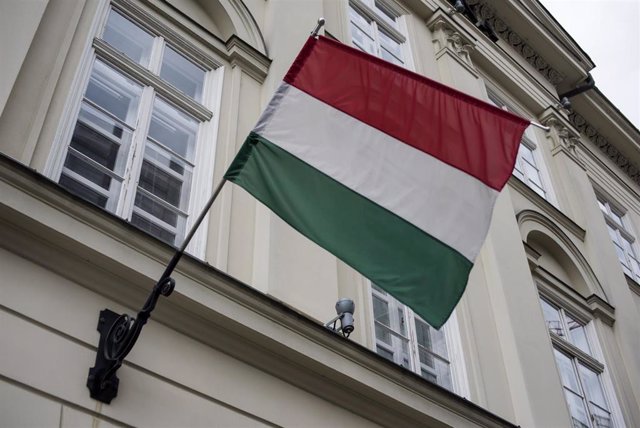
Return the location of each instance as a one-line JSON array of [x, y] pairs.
[[119, 333]]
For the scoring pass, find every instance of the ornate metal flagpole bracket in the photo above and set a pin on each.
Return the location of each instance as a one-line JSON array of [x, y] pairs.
[[119, 333]]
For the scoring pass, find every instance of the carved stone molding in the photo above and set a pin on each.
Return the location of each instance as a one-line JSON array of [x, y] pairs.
[[627, 166], [564, 138], [486, 13], [447, 38]]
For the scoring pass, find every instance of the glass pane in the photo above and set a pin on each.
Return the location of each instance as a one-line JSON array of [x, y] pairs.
[[577, 334], [518, 171], [431, 377], [156, 209], [83, 191], [539, 190], [387, 56], [616, 217], [443, 373], [532, 174], [360, 22], [601, 418], [160, 183], [174, 173], [426, 358], [578, 412], [391, 45], [113, 92], [567, 374], [128, 38], [526, 153], [102, 139], [385, 353], [76, 164], [592, 386], [439, 343], [602, 206], [552, 317], [173, 129], [385, 13], [182, 73], [362, 40], [153, 229], [628, 247], [423, 334], [613, 234], [381, 315]]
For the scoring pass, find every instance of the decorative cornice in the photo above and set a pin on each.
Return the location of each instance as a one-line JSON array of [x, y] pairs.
[[627, 166], [447, 38], [601, 309], [486, 13], [251, 61]]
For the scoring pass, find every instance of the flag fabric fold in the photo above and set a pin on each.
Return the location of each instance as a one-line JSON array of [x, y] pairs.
[[393, 173]]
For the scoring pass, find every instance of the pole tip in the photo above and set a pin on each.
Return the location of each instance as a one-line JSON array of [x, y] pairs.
[[319, 25]]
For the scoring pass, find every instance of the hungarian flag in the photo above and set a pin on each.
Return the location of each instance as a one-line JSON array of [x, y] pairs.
[[393, 173]]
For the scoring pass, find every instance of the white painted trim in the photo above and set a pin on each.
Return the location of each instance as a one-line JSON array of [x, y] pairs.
[[55, 160], [202, 181]]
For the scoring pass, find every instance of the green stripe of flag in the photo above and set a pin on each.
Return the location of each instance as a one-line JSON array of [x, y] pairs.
[[403, 260]]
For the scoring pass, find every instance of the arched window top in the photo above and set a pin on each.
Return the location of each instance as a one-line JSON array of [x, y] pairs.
[[225, 19], [558, 253]]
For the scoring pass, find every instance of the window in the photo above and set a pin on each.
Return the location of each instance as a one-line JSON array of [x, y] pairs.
[[135, 148], [527, 163], [404, 338], [375, 29], [580, 372], [622, 239]]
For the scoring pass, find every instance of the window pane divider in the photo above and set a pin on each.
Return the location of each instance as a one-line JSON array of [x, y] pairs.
[[576, 352], [626, 235], [106, 113], [86, 182], [112, 56], [369, 13], [94, 164], [168, 150], [433, 354], [154, 220], [393, 332], [162, 202]]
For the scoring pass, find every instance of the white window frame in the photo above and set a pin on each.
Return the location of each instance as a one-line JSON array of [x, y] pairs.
[[206, 112], [451, 330], [623, 231], [529, 141], [593, 360], [397, 30]]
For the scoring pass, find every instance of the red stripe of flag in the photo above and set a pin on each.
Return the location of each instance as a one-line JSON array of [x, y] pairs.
[[460, 130]]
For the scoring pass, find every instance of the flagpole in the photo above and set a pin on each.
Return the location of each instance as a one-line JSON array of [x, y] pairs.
[[119, 333], [178, 254], [537, 125]]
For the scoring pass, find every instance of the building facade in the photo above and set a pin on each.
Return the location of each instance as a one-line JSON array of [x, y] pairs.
[[118, 118]]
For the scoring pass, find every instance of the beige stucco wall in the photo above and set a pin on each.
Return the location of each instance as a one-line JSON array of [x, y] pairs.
[[172, 378]]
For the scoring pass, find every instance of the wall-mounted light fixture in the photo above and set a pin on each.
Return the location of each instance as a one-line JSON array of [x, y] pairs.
[[345, 309]]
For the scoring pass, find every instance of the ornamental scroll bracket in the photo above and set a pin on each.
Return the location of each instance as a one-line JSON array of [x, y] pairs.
[[448, 39], [563, 136]]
